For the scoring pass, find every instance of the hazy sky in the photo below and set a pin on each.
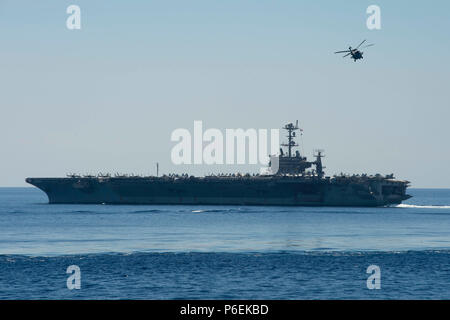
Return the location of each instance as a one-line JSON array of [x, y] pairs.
[[108, 96]]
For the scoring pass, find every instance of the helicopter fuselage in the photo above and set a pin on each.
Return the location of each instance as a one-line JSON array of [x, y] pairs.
[[356, 54]]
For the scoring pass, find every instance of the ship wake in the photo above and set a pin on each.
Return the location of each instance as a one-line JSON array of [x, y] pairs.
[[421, 207]]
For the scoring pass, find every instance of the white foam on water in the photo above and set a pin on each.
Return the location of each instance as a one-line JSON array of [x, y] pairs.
[[421, 207]]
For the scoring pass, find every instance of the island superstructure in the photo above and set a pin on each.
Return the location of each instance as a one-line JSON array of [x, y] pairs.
[[291, 181]]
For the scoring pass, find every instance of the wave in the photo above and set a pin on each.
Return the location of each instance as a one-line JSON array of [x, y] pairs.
[[227, 210], [324, 252], [421, 206], [148, 211], [213, 210]]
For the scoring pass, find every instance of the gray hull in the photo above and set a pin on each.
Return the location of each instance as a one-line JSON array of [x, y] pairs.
[[263, 190]]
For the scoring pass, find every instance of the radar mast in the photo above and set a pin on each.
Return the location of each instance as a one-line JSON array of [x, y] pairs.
[[291, 135]]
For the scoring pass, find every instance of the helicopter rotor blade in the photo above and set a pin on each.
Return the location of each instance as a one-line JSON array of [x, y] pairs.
[[369, 45], [347, 55], [342, 51], [360, 44]]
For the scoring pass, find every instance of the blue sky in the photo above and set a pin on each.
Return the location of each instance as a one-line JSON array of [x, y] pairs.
[[108, 96]]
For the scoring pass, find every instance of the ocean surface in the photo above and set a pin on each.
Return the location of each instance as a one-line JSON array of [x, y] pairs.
[[223, 252]]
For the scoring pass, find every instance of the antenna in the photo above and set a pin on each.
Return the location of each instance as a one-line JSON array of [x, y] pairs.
[[318, 153], [291, 134], [157, 169]]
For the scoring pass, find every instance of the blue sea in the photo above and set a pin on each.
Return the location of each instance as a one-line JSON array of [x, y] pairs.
[[223, 252]]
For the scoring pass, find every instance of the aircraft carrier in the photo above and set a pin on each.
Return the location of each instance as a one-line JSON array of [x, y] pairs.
[[292, 180]]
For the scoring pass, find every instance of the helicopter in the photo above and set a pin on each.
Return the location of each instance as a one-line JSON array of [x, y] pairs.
[[356, 53]]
